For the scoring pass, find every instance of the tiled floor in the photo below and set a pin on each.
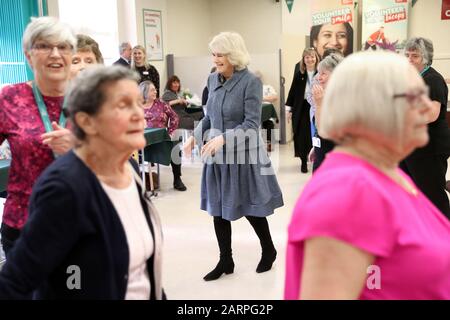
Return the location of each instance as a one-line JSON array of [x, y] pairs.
[[190, 248], [190, 245]]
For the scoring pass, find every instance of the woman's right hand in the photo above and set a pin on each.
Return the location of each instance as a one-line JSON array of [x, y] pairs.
[[188, 146]]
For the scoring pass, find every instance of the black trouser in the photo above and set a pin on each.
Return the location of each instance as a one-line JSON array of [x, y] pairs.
[[9, 237], [319, 153], [176, 167], [269, 126], [428, 173], [222, 228]]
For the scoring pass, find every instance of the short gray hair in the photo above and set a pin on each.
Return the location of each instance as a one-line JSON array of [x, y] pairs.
[[44, 28], [423, 46], [87, 91], [123, 46], [359, 96], [144, 87], [233, 46], [330, 62]]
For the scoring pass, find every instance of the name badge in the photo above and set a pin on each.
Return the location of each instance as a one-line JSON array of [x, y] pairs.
[[316, 142], [145, 73]]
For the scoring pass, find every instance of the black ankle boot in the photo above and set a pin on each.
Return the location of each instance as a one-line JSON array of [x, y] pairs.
[[224, 266], [267, 259]]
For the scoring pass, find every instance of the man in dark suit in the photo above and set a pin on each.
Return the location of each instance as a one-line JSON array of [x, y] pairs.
[[125, 55]]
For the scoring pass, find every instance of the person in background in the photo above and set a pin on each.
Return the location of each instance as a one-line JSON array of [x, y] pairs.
[[32, 118], [89, 212], [146, 70], [173, 96], [299, 107], [361, 228], [270, 96], [338, 36], [321, 145], [234, 189], [160, 115], [125, 55], [205, 92], [427, 166], [87, 54], [375, 38]]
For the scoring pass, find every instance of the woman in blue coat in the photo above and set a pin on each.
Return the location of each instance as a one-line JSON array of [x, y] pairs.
[[237, 178]]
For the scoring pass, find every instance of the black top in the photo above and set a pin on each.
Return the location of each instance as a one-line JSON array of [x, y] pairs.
[[438, 130], [72, 223], [149, 74], [122, 62]]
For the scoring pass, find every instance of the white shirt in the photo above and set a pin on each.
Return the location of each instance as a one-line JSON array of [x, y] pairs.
[[308, 82], [139, 238]]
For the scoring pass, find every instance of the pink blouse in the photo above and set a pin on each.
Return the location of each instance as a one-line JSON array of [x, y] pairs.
[[350, 200], [21, 124], [161, 115]]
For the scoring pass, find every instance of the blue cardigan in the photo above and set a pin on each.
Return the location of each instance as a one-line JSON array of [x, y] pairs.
[[73, 223]]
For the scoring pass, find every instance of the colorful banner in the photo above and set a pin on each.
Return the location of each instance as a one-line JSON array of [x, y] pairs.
[[153, 34], [331, 22], [445, 15], [384, 25]]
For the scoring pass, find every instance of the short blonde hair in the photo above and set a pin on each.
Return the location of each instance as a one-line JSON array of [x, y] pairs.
[[233, 46], [360, 97]]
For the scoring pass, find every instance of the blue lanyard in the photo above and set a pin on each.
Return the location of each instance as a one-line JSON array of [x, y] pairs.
[[424, 70], [43, 110]]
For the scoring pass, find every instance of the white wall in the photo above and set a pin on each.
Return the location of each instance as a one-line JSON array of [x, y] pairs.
[[258, 21], [425, 21]]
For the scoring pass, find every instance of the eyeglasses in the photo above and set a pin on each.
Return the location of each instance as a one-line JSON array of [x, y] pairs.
[[46, 48], [413, 97]]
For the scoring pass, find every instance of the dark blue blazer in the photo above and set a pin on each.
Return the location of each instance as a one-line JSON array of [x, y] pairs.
[[72, 223]]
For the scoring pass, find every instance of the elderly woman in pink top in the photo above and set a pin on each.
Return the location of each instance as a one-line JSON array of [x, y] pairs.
[[361, 229], [159, 114]]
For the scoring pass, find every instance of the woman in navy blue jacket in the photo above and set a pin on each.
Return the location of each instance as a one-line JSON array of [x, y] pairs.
[[92, 232]]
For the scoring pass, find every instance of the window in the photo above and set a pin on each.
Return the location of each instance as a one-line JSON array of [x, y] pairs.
[[96, 18]]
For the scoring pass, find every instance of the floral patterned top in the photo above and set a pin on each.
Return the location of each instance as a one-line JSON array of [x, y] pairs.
[[161, 115], [21, 124]]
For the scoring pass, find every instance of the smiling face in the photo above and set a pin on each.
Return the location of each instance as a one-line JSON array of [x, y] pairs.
[[310, 61], [331, 36], [120, 122], [175, 86], [139, 57], [50, 61], [82, 60], [222, 64], [323, 77]]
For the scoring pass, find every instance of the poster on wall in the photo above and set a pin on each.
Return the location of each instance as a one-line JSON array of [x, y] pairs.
[[445, 15], [153, 34], [332, 26], [384, 24]]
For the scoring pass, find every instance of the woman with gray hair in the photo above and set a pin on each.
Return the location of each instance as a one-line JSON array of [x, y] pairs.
[[93, 233], [237, 180], [361, 229], [32, 118], [427, 166], [322, 146]]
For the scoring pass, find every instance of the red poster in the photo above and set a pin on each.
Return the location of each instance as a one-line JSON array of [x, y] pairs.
[[445, 10]]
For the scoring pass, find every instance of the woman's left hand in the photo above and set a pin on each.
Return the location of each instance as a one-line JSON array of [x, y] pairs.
[[60, 140], [213, 145]]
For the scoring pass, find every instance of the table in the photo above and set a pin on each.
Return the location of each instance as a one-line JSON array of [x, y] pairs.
[[158, 149], [4, 168], [267, 112]]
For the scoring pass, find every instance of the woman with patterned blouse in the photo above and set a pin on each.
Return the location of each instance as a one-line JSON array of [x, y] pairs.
[[31, 117], [160, 115]]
